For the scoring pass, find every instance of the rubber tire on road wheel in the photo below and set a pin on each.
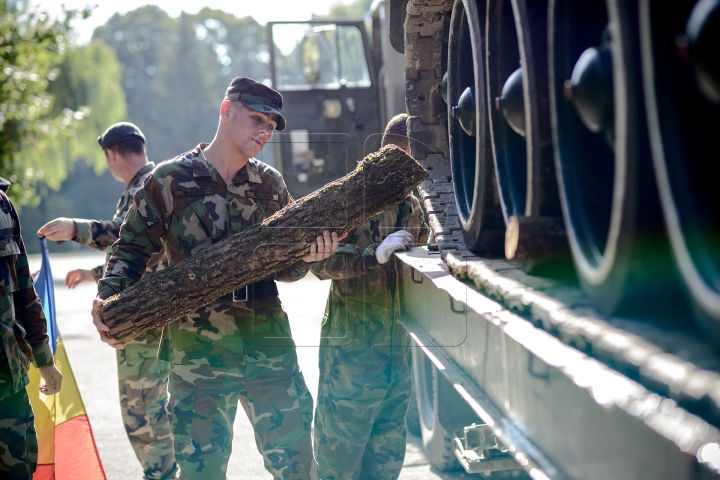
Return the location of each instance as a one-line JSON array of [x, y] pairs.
[[442, 412]]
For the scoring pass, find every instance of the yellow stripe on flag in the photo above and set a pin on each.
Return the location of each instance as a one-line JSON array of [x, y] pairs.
[[63, 428]]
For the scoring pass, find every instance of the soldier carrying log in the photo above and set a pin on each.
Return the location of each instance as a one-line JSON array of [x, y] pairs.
[[238, 348]]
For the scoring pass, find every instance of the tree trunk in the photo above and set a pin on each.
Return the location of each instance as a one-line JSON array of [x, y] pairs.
[[381, 181]]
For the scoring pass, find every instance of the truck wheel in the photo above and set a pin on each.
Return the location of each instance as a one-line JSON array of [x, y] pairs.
[[412, 419], [436, 436]]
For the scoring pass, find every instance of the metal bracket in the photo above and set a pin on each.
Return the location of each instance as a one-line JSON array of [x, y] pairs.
[[479, 452], [412, 277], [461, 311]]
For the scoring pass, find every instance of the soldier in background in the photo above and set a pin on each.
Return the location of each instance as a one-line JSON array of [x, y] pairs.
[[142, 378], [239, 347], [23, 332], [365, 360]]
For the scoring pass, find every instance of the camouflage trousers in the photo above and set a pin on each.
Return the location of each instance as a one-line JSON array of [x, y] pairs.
[[18, 440], [271, 389], [363, 395], [142, 382]]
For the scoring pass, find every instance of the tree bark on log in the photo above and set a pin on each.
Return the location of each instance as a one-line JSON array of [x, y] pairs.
[[381, 180], [535, 238]]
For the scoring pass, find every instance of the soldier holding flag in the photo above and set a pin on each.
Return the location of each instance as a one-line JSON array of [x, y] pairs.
[[23, 332]]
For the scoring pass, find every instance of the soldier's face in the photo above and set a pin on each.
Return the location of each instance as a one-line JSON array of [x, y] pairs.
[[250, 130]]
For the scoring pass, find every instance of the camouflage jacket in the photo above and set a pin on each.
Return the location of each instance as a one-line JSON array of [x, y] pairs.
[[101, 234], [362, 289], [23, 327], [185, 206]]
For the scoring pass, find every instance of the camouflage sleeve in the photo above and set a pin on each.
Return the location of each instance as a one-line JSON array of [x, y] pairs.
[[98, 234], [28, 309], [140, 236], [412, 220], [348, 261], [294, 272], [98, 272]]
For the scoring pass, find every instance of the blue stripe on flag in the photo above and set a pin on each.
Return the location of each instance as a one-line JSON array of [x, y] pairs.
[[46, 292]]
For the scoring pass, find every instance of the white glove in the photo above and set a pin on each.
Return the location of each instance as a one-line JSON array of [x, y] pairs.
[[400, 240]]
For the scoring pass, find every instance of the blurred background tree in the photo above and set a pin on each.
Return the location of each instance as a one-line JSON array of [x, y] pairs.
[[176, 70], [350, 9], [42, 127], [167, 75]]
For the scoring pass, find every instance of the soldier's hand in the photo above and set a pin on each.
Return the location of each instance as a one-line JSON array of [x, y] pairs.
[[53, 379], [400, 240], [323, 246], [103, 329], [76, 277], [58, 230]]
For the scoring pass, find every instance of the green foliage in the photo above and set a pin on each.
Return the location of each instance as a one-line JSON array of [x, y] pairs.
[[176, 70], [349, 9], [41, 132], [89, 82]]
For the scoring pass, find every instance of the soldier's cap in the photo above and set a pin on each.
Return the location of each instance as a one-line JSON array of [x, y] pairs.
[[119, 133], [4, 184], [256, 96]]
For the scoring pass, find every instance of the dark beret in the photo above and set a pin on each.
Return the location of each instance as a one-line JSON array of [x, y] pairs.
[[118, 133]]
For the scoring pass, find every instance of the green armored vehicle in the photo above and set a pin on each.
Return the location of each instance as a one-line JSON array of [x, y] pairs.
[[567, 312]]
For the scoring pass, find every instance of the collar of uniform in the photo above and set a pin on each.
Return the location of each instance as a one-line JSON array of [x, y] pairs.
[[145, 169], [201, 167], [252, 171]]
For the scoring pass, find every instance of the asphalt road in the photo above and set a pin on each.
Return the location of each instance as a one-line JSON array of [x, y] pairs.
[[95, 370]]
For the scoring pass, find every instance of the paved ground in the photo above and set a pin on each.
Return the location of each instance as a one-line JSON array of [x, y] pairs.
[[94, 367]]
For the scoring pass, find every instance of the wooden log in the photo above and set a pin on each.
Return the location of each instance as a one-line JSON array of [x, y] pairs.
[[380, 181], [535, 238]]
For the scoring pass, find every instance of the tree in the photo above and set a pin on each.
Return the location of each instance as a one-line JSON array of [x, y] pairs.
[[41, 132], [176, 70], [89, 81], [352, 9]]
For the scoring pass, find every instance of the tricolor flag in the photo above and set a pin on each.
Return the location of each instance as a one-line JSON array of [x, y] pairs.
[[66, 443]]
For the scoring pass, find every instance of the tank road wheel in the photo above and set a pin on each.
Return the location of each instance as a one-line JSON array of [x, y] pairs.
[[520, 117], [469, 135], [681, 74], [608, 193]]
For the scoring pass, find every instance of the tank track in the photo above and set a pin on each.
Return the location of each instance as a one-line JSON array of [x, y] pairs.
[[669, 361]]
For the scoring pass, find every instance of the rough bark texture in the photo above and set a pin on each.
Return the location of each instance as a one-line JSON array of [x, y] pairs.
[[381, 181], [535, 238]]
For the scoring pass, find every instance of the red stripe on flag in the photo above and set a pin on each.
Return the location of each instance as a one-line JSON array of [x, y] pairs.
[[44, 472], [76, 455]]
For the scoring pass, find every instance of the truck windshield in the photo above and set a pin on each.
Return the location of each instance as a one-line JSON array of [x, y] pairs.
[[326, 57]]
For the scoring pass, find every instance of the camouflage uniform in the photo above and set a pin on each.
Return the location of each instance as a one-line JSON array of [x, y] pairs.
[[23, 330], [225, 351], [364, 356], [142, 377]]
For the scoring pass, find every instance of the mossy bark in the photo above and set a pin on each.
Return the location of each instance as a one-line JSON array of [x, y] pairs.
[[382, 180]]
